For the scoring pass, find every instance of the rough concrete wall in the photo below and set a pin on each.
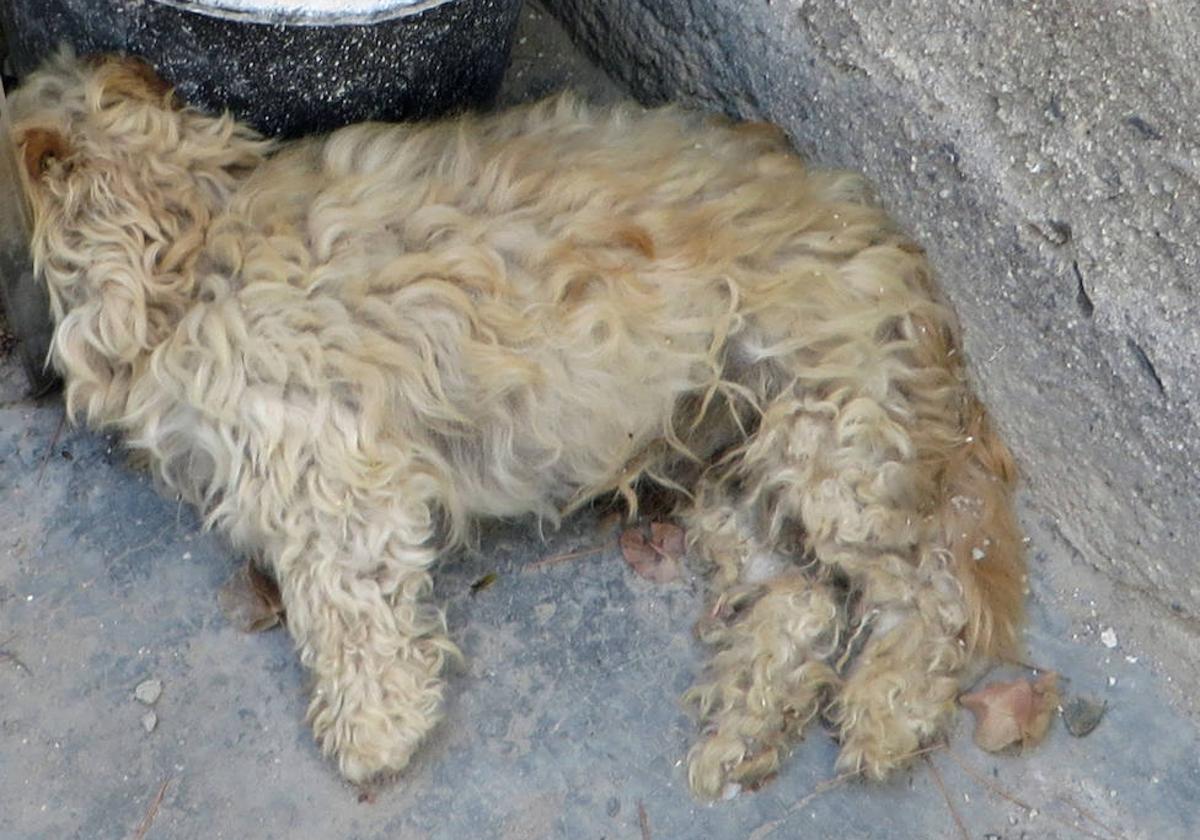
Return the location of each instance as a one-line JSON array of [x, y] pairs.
[[1047, 156]]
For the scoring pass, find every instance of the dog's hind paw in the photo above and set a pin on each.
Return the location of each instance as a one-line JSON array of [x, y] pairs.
[[885, 721], [767, 680], [719, 762]]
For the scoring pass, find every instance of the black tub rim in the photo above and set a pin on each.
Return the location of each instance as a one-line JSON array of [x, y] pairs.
[[390, 10]]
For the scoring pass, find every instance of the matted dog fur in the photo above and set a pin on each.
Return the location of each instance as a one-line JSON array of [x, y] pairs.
[[347, 349]]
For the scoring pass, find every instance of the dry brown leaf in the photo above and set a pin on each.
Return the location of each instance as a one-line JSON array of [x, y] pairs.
[[485, 582], [637, 552], [656, 559], [667, 539], [1007, 713], [1046, 700], [250, 600]]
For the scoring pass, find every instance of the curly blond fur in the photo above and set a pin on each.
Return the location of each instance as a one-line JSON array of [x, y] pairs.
[[347, 349]]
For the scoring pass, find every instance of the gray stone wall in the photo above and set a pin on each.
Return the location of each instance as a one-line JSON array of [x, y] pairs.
[[1047, 156]]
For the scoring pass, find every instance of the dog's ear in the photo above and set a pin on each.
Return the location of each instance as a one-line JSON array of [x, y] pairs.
[[124, 77], [97, 382], [41, 149]]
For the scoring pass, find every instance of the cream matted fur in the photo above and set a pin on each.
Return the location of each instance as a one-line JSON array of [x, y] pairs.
[[348, 348]]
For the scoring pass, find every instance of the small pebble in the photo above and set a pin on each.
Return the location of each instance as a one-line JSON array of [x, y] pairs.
[[978, 554], [149, 721], [1108, 637], [148, 692]]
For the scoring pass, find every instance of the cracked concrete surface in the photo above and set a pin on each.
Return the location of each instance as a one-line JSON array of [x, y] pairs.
[[564, 722]]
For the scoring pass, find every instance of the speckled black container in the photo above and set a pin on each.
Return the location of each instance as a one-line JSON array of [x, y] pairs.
[[289, 77], [286, 76]]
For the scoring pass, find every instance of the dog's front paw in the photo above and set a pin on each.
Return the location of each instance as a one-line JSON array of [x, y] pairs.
[[372, 719]]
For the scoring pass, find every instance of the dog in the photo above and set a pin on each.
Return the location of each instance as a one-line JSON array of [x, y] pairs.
[[348, 349]]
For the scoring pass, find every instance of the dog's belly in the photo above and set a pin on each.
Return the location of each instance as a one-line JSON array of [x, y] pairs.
[[582, 430], [524, 401]]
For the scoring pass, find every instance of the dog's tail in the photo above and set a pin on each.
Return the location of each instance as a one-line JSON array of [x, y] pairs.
[[979, 529]]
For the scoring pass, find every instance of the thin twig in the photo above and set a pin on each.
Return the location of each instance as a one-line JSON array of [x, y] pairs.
[[958, 820], [151, 812], [718, 606], [8, 656], [1087, 815], [842, 778], [864, 626], [767, 829], [823, 788], [1004, 794], [1021, 663], [562, 558], [62, 419], [150, 543], [643, 820], [987, 783]]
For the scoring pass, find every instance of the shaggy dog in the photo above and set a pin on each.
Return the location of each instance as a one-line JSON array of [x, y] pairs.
[[348, 349]]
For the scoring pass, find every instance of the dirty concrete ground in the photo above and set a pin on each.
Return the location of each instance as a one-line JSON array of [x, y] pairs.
[[564, 723]]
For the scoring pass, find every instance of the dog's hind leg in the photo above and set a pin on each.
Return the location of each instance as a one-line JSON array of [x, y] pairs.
[[773, 627], [872, 445], [953, 601], [885, 457], [354, 591]]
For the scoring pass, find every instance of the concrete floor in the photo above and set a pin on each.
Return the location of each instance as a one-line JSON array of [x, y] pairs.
[[565, 722]]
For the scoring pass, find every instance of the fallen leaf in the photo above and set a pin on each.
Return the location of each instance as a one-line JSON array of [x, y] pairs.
[[1045, 701], [643, 821], [667, 539], [656, 559], [250, 600], [1083, 714], [1007, 713], [637, 552], [484, 582]]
